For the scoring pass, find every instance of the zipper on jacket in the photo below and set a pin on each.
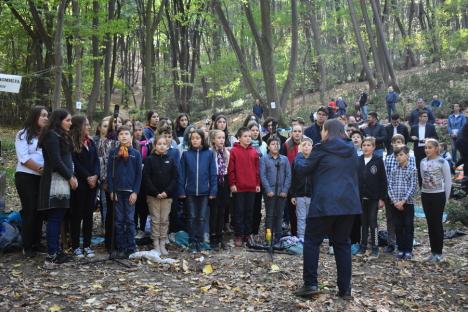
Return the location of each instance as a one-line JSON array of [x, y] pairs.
[[196, 183]]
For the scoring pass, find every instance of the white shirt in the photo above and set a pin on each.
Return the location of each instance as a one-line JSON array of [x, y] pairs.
[[367, 159], [421, 135], [395, 130], [25, 152]]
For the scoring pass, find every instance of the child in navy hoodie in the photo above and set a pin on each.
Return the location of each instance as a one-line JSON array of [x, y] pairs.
[[244, 181], [373, 190], [197, 183], [124, 181]]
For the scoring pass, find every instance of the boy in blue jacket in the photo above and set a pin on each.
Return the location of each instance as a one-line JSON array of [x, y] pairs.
[[124, 181], [275, 174]]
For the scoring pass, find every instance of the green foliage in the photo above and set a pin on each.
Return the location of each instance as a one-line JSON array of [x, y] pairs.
[[457, 210]]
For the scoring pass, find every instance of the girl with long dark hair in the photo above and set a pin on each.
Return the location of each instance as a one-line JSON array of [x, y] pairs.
[[28, 176], [57, 179], [152, 119], [181, 123], [220, 123], [83, 199]]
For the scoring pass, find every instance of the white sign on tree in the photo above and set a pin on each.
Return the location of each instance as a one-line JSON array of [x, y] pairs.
[[10, 83]]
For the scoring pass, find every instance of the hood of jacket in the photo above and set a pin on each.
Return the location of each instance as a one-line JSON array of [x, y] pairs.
[[338, 147]]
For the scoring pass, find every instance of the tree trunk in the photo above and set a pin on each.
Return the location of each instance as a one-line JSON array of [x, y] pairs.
[[58, 55], [107, 58], [94, 96], [381, 80], [312, 17], [381, 38], [361, 46], [78, 51]]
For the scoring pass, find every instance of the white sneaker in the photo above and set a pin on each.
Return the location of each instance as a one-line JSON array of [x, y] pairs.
[[89, 252], [140, 234], [78, 253]]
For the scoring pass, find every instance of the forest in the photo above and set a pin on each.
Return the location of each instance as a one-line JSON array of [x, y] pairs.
[[196, 55]]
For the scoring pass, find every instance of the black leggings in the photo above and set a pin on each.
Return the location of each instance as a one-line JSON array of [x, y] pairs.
[[27, 186], [218, 206], [83, 203], [369, 220], [433, 205], [141, 211]]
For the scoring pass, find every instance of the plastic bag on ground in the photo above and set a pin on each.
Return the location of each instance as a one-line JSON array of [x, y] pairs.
[[151, 255]]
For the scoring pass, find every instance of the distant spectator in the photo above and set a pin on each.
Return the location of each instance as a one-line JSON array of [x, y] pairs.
[[436, 103], [257, 109], [363, 100], [420, 107], [341, 104], [314, 130], [395, 127], [456, 121], [376, 130], [391, 99]]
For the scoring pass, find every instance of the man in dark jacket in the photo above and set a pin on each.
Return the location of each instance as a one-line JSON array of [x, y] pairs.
[[333, 166], [420, 107], [314, 130], [376, 130], [257, 109], [418, 134], [395, 127]]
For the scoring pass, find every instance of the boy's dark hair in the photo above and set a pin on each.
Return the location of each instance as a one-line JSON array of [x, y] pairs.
[[322, 109], [166, 129], [124, 128], [423, 113], [201, 133], [273, 120], [400, 149], [395, 116], [241, 131], [335, 129], [373, 114], [357, 132], [274, 138]]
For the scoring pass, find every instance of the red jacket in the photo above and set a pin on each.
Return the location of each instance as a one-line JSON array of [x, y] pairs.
[[290, 149], [243, 168]]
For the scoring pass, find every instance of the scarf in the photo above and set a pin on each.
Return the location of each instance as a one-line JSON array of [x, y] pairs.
[[123, 151], [222, 169]]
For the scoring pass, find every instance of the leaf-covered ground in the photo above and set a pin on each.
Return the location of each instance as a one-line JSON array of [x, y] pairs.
[[241, 281]]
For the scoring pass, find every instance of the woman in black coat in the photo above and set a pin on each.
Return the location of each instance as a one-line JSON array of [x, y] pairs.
[[333, 166], [83, 199], [57, 179]]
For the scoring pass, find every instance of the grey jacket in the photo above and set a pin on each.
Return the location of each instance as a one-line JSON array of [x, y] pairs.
[[268, 174]]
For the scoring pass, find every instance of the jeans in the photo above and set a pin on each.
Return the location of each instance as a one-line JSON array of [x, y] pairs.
[[390, 223], [338, 228], [454, 151], [124, 223], [83, 201], [364, 111], [370, 208], [27, 186], [274, 207], [391, 108], [433, 205], [217, 207], [243, 213], [54, 222], [404, 227], [302, 208], [197, 217]]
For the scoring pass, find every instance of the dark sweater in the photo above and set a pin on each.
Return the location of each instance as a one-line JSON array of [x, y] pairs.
[[372, 178], [301, 184], [124, 174], [86, 162], [378, 132], [160, 175]]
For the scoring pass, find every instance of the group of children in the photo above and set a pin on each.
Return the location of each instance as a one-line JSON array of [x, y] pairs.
[[202, 180]]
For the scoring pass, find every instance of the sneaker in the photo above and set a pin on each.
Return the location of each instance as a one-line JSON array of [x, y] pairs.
[[355, 248], [121, 255], [57, 258], [400, 255], [331, 251], [238, 241], [307, 291], [389, 249], [407, 256], [362, 251], [88, 252], [140, 234], [375, 252], [437, 258], [223, 246], [78, 253]]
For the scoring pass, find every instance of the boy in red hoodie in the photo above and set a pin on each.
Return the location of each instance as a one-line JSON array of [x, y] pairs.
[[244, 182]]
